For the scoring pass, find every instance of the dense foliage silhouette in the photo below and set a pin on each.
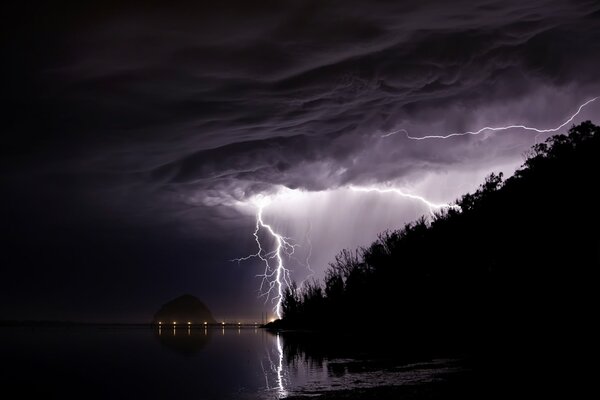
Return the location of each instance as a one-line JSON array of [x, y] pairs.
[[519, 258]]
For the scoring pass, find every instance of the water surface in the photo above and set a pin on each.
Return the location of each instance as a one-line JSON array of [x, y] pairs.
[[212, 363]]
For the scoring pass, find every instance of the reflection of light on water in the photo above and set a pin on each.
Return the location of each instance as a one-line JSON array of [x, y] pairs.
[[277, 371], [297, 373], [282, 392], [265, 374]]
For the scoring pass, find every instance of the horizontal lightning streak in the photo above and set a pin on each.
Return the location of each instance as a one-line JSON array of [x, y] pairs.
[[495, 129], [432, 206]]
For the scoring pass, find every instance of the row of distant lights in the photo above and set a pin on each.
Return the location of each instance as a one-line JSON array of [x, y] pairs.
[[205, 323]]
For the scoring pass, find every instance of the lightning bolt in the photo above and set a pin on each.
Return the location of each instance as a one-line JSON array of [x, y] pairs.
[[310, 249], [395, 132], [432, 206], [539, 131], [275, 276], [308, 256]]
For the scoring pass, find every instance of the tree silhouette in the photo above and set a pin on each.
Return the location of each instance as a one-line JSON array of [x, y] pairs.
[[520, 253]]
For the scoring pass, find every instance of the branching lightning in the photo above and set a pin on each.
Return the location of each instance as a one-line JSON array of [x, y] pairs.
[[274, 277], [539, 131]]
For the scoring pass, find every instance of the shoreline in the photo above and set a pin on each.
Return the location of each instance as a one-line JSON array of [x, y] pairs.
[[457, 386]]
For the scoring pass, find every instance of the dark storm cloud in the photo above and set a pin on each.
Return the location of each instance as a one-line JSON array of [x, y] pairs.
[[146, 115], [295, 93]]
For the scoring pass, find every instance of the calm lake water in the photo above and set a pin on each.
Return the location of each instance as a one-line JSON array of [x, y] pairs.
[[213, 363]]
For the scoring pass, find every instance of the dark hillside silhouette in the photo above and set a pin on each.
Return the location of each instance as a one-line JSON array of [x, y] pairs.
[[519, 260]]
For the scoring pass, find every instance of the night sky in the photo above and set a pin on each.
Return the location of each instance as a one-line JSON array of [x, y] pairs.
[[135, 136]]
